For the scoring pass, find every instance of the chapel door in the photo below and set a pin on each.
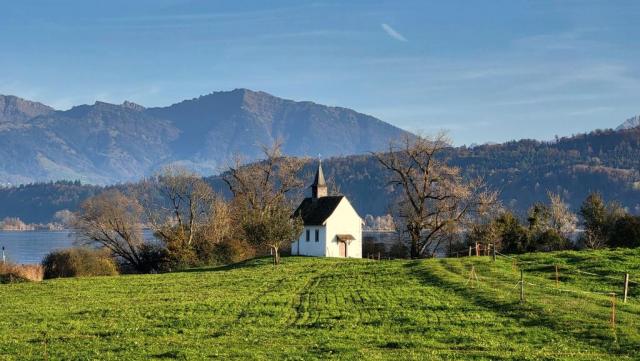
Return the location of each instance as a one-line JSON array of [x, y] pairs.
[[342, 246]]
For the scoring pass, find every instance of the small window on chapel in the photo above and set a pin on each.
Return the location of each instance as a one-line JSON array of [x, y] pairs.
[[317, 235], [308, 235]]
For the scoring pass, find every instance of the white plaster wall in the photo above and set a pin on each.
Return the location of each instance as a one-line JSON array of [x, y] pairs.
[[311, 248], [344, 220]]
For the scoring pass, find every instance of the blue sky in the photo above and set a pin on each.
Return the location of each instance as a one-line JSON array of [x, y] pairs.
[[483, 70]]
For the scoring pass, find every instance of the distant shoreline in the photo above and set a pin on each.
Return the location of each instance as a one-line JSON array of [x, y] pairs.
[[35, 230]]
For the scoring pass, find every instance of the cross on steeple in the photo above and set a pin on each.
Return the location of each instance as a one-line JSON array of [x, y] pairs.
[[319, 186]]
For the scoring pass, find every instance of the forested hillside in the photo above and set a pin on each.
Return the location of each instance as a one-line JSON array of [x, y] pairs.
[[523, 171]]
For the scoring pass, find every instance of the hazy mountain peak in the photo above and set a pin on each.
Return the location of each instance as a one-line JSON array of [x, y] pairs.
[[630, 123], [108, 143], [14, 109], [100, 107], [133, 106], [99, 103]]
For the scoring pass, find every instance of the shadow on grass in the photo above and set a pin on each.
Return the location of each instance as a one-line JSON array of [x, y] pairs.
[[527, 315], [246, 264], [255, 262]]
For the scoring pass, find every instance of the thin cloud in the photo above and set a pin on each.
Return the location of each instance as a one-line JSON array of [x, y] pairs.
[[393, 33]]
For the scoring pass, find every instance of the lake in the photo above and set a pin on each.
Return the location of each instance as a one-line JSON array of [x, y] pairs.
[[31, 247]]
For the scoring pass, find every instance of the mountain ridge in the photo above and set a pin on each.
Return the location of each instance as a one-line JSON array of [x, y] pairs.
[[630, 123], [107, 143], [524, 171], [16, 109]]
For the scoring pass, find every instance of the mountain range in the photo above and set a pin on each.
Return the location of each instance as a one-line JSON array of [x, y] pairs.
[[108, 143], [524, 171]]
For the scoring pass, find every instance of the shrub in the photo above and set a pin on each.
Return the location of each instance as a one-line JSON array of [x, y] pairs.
[[153, 258], [12, 273], [399, 250], [370, 246], [78, 262], [626, 232], [548, 241], [233, 251]]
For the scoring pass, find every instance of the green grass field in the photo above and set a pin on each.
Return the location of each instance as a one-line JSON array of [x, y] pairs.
[[333, 308]]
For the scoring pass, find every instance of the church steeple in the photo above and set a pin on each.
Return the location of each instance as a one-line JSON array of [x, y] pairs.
[[319, 186]]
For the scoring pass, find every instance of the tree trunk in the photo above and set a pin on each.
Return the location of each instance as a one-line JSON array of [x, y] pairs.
[[415, 251], [414, 233], [276, 256]]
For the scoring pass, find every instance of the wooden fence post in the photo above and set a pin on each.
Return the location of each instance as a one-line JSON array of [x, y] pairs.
[[477, 249], [626, 287], [557, 277], [472, 277], [521, 286], [613, 310], [469, 251]]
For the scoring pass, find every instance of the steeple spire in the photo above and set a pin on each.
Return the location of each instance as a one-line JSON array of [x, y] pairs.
[[319, 186]]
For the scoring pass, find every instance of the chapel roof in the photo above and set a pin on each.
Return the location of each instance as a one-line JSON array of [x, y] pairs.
[[315, 211]]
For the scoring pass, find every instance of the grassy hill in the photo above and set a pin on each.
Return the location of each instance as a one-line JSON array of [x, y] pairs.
[[334, 308]]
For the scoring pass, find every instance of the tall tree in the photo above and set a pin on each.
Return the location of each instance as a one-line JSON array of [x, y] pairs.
[[513, 235], [113, 221], [186, 214], [549, 226], [434, 198], [626, 232], [594, 217], [264, 193], [599, 219], [561, 219]]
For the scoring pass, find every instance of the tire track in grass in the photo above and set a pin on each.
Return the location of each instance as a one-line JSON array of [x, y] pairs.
[[302, 300], [270, 287], [510, 309], [305, 295]]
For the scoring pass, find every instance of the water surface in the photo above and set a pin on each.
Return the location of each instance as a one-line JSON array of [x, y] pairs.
[[32, 246]]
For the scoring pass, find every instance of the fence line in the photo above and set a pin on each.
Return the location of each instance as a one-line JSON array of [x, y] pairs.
[[473, 276], [572, 269], [519, 262]]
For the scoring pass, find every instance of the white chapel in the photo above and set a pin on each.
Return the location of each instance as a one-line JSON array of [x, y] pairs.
[[332, 227]]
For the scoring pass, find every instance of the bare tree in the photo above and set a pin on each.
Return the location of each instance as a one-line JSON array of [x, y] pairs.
[[263, 197], [591, 241], [434, 200], [561, 219], [112, 220], [186, 214]]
